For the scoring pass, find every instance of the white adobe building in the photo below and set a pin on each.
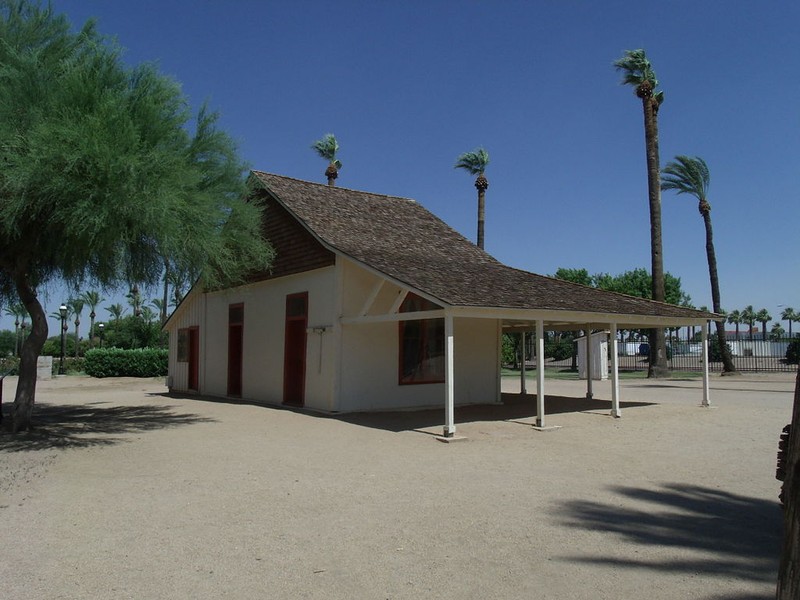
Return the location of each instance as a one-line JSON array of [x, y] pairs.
[[374, 303]]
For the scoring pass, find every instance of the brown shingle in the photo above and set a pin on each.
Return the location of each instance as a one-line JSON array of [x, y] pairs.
[[403, 240]]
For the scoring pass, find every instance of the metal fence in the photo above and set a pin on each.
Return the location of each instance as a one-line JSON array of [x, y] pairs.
[[685, 352]]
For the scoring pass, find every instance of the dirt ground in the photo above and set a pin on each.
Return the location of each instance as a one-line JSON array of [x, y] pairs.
[[126, 492]]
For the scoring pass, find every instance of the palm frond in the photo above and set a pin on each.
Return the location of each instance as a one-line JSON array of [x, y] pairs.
[[474, 162], [636, 68], [327, 147], [687, 175]]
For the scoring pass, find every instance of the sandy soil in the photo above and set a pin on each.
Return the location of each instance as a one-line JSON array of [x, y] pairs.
[[124, 492]]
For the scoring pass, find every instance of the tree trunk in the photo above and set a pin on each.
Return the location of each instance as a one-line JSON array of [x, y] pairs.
[[658, 355], [789, 570], [31, 348], [764, 330], [727, 359], [331, 173], [77, 326], [165, 297], [481, 215]]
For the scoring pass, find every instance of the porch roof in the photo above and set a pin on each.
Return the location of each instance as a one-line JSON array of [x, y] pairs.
[[400, 239]]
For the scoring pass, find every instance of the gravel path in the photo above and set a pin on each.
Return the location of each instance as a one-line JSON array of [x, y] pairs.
[[125, 492]]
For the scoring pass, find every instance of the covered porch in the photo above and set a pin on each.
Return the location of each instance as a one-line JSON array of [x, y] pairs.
[[536, 323]]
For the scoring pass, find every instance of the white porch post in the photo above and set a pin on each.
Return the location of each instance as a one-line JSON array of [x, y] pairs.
[[706, 388], [615, 410], [540, 373], [589, 360], [449, 371], [522, 389]]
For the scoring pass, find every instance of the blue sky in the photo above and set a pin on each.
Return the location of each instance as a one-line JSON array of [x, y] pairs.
[[408, 86]]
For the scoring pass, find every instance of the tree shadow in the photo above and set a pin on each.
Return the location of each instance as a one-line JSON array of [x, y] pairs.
[[91, 424], [740, 536]]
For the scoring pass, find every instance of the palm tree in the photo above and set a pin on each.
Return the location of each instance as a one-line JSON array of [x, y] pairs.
[[777, 332], [178, 279], [749, 317], [76, 305], [735, 318], [19, 313], [790, 315], [475, 163], [116, 311], [638, 72], [161, 307], [148, 314], [763, 317], [689, 175], [135, 300], [92, 299], [327, 147]]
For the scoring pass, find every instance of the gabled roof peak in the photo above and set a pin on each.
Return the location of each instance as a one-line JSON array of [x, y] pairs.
[[401, 239]]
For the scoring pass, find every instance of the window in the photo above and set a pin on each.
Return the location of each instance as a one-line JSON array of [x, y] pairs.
[[183, 345], [421, 344]]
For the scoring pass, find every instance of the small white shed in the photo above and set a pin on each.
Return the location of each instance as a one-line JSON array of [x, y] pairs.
[[599, 354]]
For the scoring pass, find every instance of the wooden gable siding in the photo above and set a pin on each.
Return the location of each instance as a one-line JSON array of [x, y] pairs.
[[296, 250]]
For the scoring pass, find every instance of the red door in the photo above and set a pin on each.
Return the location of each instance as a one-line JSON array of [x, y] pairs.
[[294, 351], [235, 348], [194, 357]]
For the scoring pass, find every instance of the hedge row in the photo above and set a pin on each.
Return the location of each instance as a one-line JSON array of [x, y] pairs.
[[115, 362]]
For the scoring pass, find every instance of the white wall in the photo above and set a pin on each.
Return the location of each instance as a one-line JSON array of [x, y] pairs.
[[366, 355], [190, 314], [370, 367], [263, 343]]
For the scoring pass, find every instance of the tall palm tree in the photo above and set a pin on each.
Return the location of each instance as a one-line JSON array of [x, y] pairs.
[[638, 72], [475, 163], [749, 317], [135, 300], [162, 309], [689, 175], [763, 317], [76, 305], [178, 279], [327, 147], [790, 315], [17, 310], [116, 311], [735, 318], [92, 299]]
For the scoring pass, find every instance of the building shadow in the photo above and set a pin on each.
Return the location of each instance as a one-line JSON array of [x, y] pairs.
[[91, 424], [514, 407], [734, 536]]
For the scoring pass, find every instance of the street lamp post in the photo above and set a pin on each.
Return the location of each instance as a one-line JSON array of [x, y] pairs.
[[63, 310], [101, 328]]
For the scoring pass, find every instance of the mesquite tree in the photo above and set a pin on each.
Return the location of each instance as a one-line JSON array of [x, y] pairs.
[[101, 177]]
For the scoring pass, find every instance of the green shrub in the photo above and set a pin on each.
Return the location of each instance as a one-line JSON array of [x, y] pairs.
[[115, 362], [793, 353], [9, 366], [72, 365], [714, 354], [558, 349]]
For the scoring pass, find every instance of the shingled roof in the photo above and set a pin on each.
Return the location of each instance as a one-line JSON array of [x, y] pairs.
[[401, 239]]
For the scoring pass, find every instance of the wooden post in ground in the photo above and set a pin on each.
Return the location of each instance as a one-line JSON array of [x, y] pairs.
[[789, 571]]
